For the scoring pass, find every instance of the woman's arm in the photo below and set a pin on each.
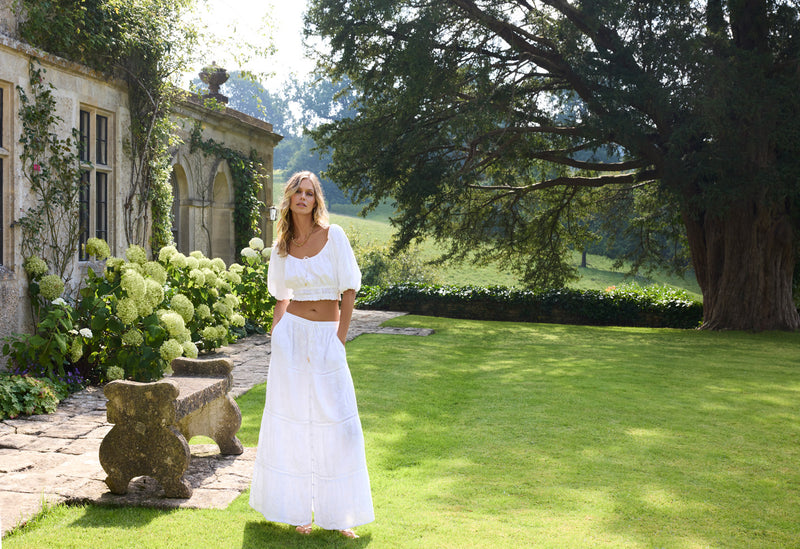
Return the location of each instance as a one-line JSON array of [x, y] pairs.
[[346, 313], [280, 308]]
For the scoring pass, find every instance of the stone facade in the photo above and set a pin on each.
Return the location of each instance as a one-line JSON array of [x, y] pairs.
[[203, 187]]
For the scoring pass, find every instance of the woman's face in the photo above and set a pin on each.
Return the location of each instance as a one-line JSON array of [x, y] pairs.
[[303, 200]]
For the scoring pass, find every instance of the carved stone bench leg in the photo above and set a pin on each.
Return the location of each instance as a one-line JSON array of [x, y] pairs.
[[142, 441], [219, 420]]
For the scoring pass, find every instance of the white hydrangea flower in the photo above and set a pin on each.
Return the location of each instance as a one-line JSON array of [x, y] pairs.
[[197, 277], [174, 323], [183, 306], [189, 349], [178, 261], [218, 265], [136, 254], [202, 311], [156, 271], [170, 350], [166, 253], [256, 243], [127, 311]]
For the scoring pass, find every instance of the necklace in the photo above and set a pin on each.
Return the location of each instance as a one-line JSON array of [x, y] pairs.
[[303, 243]]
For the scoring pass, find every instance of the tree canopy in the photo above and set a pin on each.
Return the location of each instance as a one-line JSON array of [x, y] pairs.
[[501, 126]]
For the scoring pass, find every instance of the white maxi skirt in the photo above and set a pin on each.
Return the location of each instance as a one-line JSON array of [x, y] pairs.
[[310, 461]]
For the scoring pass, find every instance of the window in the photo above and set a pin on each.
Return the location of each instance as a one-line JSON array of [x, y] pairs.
[[97, 178]]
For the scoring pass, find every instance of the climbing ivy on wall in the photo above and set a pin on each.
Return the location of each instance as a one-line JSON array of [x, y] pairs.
[[144, 43], [52, 167], [247, 175]]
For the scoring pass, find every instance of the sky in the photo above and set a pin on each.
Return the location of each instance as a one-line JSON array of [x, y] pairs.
[[240, 22]]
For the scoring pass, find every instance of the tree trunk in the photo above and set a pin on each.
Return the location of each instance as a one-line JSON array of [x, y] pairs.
[[583, 259], [744, 260]]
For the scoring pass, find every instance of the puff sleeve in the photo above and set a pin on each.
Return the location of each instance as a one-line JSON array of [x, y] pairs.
[[276, 278], [348, 275]]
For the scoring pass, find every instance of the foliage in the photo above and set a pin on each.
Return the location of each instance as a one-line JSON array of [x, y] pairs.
[[25, 395], [247, 174], [506, 125], [208, 287], [629, 305], [145, 43], [380, 267], [51, 166], [249, 282], [145, 313], [50, 349]]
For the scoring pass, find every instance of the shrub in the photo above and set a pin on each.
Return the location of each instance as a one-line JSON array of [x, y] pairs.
[[48, 351], [205, 283], [28, 395], [146, 313], [627, 306], [380, 267], [249, 282]]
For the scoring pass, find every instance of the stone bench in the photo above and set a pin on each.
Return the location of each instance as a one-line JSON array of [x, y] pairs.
[[154, 421]]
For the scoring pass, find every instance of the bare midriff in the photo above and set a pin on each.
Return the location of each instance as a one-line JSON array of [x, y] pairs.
[[321, 311]]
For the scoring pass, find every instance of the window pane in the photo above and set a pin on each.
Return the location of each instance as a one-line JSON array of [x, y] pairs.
[[2, 114], [101, 207], [85, 141], [83, 216], [102, 140]]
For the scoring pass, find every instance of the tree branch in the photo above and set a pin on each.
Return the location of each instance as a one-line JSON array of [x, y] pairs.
[[574, 181]]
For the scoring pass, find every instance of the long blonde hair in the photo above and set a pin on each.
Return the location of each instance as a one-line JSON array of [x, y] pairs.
[[285, 226]]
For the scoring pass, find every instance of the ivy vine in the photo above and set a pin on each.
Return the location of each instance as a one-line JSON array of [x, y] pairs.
[[144, 43], [50, 227], [247, 174]]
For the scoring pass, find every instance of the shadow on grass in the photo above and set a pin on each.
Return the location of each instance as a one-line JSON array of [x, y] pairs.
[[261, 535], [125, 517]]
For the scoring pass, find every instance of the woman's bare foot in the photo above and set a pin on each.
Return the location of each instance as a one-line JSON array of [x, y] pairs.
[[348, 533], [305, 529]]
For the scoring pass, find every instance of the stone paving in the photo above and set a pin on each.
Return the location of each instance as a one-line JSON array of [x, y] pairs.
[[51, 459]]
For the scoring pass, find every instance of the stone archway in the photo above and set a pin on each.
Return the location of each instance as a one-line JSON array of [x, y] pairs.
[[181, 227], [223, 243]]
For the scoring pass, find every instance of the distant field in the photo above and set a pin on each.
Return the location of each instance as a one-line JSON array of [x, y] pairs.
[[597, 275]]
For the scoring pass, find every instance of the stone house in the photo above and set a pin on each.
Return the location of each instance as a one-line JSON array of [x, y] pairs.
[[203, 187]]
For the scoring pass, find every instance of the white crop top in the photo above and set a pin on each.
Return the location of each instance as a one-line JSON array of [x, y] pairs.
[[322, 276]]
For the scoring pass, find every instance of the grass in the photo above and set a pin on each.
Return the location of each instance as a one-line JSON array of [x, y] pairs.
[[491, 434]]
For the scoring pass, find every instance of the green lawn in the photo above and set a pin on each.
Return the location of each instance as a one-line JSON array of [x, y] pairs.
[[491, 434]]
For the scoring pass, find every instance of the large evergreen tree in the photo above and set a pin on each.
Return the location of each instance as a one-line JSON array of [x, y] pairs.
[[476, 116]]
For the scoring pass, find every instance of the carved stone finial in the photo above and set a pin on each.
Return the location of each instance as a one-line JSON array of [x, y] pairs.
[[214, 77]]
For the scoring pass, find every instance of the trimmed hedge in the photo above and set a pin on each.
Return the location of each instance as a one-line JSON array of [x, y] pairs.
[[659, 308]]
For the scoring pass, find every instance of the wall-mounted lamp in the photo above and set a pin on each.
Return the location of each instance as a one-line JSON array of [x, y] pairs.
[[273, 213]]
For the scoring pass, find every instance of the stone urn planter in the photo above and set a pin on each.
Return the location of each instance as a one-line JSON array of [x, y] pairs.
[[214, 77]]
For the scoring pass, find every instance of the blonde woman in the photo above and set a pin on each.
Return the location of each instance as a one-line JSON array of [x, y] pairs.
[[310, 464]]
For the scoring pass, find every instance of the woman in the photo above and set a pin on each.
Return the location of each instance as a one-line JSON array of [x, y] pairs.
[[310, 457]]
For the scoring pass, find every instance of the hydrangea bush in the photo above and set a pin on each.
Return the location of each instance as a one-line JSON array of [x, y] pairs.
[[133, 318], [200, 298], [250, 284]]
